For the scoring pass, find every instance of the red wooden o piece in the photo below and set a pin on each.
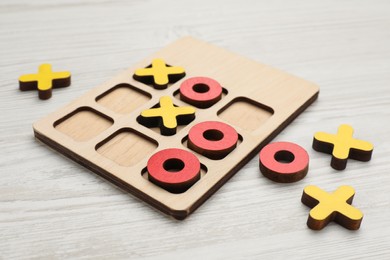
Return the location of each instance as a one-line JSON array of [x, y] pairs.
[[201, 92], [175, 170], [212, 139], [284, 162]]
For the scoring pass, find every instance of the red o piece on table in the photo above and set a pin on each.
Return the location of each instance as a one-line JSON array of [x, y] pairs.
[[212, 139], [175, 170], [284, 162], [201, 92]]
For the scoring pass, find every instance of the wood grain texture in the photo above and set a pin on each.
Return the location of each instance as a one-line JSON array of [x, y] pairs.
[[52, 208]]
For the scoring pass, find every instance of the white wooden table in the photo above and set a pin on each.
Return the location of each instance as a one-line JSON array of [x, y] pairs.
[[50, 207]]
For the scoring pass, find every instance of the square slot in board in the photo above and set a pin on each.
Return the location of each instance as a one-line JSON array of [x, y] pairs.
[[123, 98], [255, 114], [258, 102], [126, 147], [83, 124]]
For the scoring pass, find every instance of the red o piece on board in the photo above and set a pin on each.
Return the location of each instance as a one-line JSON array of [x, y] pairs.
[[284, 162], [175, 170], [201, 92], [212, 139]]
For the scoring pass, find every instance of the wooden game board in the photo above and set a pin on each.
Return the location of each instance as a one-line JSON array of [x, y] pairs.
[[100, 131]]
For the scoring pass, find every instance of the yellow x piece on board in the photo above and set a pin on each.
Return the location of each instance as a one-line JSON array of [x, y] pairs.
[[167, 116], [160, 73]]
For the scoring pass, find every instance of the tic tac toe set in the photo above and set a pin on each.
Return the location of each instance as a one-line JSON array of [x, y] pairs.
[[175, 127]]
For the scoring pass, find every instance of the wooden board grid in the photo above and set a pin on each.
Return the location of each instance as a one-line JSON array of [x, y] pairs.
[[259, 102]]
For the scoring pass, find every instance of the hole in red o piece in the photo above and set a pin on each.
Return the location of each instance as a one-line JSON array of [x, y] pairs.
[[173, 165], [201, 88], [284, 156], [213, 135]]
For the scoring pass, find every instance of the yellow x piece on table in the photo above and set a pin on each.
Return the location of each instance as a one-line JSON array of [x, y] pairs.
[[331, 207], [342, 146], [44, 81]]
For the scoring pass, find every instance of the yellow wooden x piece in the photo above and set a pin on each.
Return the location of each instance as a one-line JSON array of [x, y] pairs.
[[44, 80], [160, 73], [342, 146], [331, 206], [169, 114]]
